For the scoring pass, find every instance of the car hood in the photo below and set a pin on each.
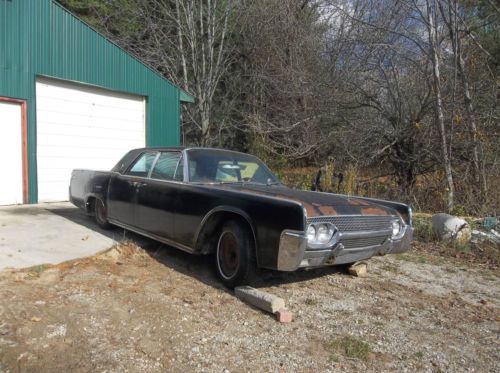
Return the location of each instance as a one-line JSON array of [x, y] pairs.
[[315, 203]]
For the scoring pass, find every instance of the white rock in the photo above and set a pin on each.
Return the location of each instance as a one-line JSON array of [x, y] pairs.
[[451, 227]]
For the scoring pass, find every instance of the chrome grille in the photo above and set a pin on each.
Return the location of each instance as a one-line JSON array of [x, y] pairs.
[[355, 223], [353, 243]]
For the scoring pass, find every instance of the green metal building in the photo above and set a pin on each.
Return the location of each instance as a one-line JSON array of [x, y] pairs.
[[70, 98]]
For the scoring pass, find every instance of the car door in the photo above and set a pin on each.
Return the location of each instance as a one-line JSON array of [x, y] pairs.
[[123, 189], [155, 205]]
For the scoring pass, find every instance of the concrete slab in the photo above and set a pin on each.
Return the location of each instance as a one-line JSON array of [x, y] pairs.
[[50, 233]]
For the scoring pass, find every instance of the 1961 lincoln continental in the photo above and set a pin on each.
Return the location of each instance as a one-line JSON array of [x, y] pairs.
[[230, 204]]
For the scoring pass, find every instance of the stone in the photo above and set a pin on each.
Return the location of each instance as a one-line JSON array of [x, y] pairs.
[[260, 299], [283, 315], [358, 269], [449, 227], [492, 236]]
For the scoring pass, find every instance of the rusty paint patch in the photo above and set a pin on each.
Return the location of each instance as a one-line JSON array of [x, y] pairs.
[[358, 202], [373, 211], [310, 209], [327, 210]]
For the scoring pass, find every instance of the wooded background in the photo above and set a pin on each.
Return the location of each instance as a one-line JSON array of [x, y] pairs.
[[390, 98]]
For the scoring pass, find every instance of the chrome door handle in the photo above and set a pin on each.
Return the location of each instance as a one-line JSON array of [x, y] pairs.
[[137, 184]]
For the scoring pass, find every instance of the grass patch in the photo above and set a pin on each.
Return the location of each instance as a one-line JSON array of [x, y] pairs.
[[422, 226], [351, 347], [38, 268], [419, 355], [419, 259], [391, 268], [311, 302]]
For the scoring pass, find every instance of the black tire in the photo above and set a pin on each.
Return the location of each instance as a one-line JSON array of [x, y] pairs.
[[235, 254], [101, 214]]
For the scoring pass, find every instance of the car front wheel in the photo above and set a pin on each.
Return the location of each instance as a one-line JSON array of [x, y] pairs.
[[235, 255]]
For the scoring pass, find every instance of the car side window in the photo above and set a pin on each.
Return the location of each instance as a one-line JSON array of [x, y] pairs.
[[166, 166], [142, 165]]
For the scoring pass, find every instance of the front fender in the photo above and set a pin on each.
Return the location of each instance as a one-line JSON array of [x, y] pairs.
[[266, 218], [403, 209], [221, 210]]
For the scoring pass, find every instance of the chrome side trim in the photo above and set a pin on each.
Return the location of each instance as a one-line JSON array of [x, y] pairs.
[[153, 236], [291, 250]]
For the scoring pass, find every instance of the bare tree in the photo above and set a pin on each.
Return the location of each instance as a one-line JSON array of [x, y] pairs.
[[432, 29], [283, 105], [187, 40], [381, 84], [449, 12]]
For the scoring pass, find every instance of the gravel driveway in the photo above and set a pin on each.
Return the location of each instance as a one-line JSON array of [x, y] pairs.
[[131, 310]]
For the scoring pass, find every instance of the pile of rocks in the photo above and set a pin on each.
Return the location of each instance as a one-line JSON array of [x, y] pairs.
[[449, 227]]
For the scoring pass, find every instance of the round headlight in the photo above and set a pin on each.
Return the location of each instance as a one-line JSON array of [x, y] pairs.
[[311, 233], [396, 228], [324, 234]]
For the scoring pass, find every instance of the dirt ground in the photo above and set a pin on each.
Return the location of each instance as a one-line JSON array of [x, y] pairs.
[[157, 310]]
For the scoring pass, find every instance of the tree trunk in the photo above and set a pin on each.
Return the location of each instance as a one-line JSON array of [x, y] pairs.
[[205, 126], [438, 102], [479, 177]]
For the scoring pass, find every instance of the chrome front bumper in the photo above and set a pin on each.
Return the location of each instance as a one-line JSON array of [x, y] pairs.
[[294, 253]]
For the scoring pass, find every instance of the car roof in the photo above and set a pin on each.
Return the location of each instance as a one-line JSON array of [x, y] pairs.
[[181, 148], [160, 148]]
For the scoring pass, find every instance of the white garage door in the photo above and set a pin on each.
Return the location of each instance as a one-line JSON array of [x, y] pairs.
[[80, 126], [11, 156]]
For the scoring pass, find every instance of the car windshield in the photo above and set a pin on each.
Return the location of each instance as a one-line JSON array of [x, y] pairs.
[[219, 166]]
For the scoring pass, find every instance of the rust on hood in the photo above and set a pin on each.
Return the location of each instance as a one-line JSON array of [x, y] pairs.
[[314, 203], [327, 210], [358, 202], [374, 211]]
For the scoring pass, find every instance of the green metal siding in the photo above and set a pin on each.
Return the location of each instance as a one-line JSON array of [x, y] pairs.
[[40, 38]]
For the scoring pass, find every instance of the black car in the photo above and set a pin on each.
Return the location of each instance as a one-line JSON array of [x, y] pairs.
[[206, 201]]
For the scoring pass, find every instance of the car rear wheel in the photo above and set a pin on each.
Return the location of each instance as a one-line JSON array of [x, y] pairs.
[[101, 214], [235, 254]]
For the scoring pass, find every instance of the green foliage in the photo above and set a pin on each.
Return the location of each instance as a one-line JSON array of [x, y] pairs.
[[422, 226], [350, 185], [458, 210], [485, 22], [351, 347], [115, 18], [300, 178]]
